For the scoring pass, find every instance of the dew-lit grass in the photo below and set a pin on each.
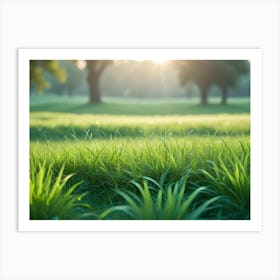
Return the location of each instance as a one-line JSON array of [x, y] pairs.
[[60, 126]]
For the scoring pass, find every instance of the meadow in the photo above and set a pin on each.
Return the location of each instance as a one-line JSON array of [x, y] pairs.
[[133, 159]]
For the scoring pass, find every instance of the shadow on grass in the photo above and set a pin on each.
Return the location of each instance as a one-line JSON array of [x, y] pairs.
[[62, 133], [164, 108]]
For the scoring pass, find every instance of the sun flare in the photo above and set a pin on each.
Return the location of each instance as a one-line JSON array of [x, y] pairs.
[[160, 60], [156, 61]]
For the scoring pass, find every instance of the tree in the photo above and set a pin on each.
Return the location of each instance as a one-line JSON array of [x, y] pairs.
[[39, 67], [206, 73], [227, 74], [95, 68], [196, 71]]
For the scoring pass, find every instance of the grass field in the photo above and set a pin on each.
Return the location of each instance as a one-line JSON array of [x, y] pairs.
[[139, 159]]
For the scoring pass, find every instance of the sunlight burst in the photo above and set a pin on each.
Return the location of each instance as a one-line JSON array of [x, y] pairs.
[[160, 60]]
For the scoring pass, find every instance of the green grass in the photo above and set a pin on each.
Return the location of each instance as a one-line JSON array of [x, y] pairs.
[[162, 202], [140, 107], [60, 126], [140, 167], [49, 197], [221, 165]]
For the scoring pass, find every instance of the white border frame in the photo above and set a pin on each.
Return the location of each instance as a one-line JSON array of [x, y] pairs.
[[254, 224]]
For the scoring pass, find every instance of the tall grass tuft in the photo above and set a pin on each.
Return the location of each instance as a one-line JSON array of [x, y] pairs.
[[158, 201], [50, 198], [230, 177]]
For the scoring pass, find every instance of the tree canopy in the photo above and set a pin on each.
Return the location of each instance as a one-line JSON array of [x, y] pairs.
[[39, 67]]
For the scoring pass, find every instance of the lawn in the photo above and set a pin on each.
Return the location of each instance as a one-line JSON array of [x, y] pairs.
[[132, 159]]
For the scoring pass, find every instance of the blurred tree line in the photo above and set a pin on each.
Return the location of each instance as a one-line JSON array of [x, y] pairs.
[[142, 78], [205, 73]]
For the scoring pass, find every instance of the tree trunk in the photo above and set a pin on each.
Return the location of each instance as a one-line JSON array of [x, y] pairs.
[[93, 83], [224, 95], [94, 92]]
